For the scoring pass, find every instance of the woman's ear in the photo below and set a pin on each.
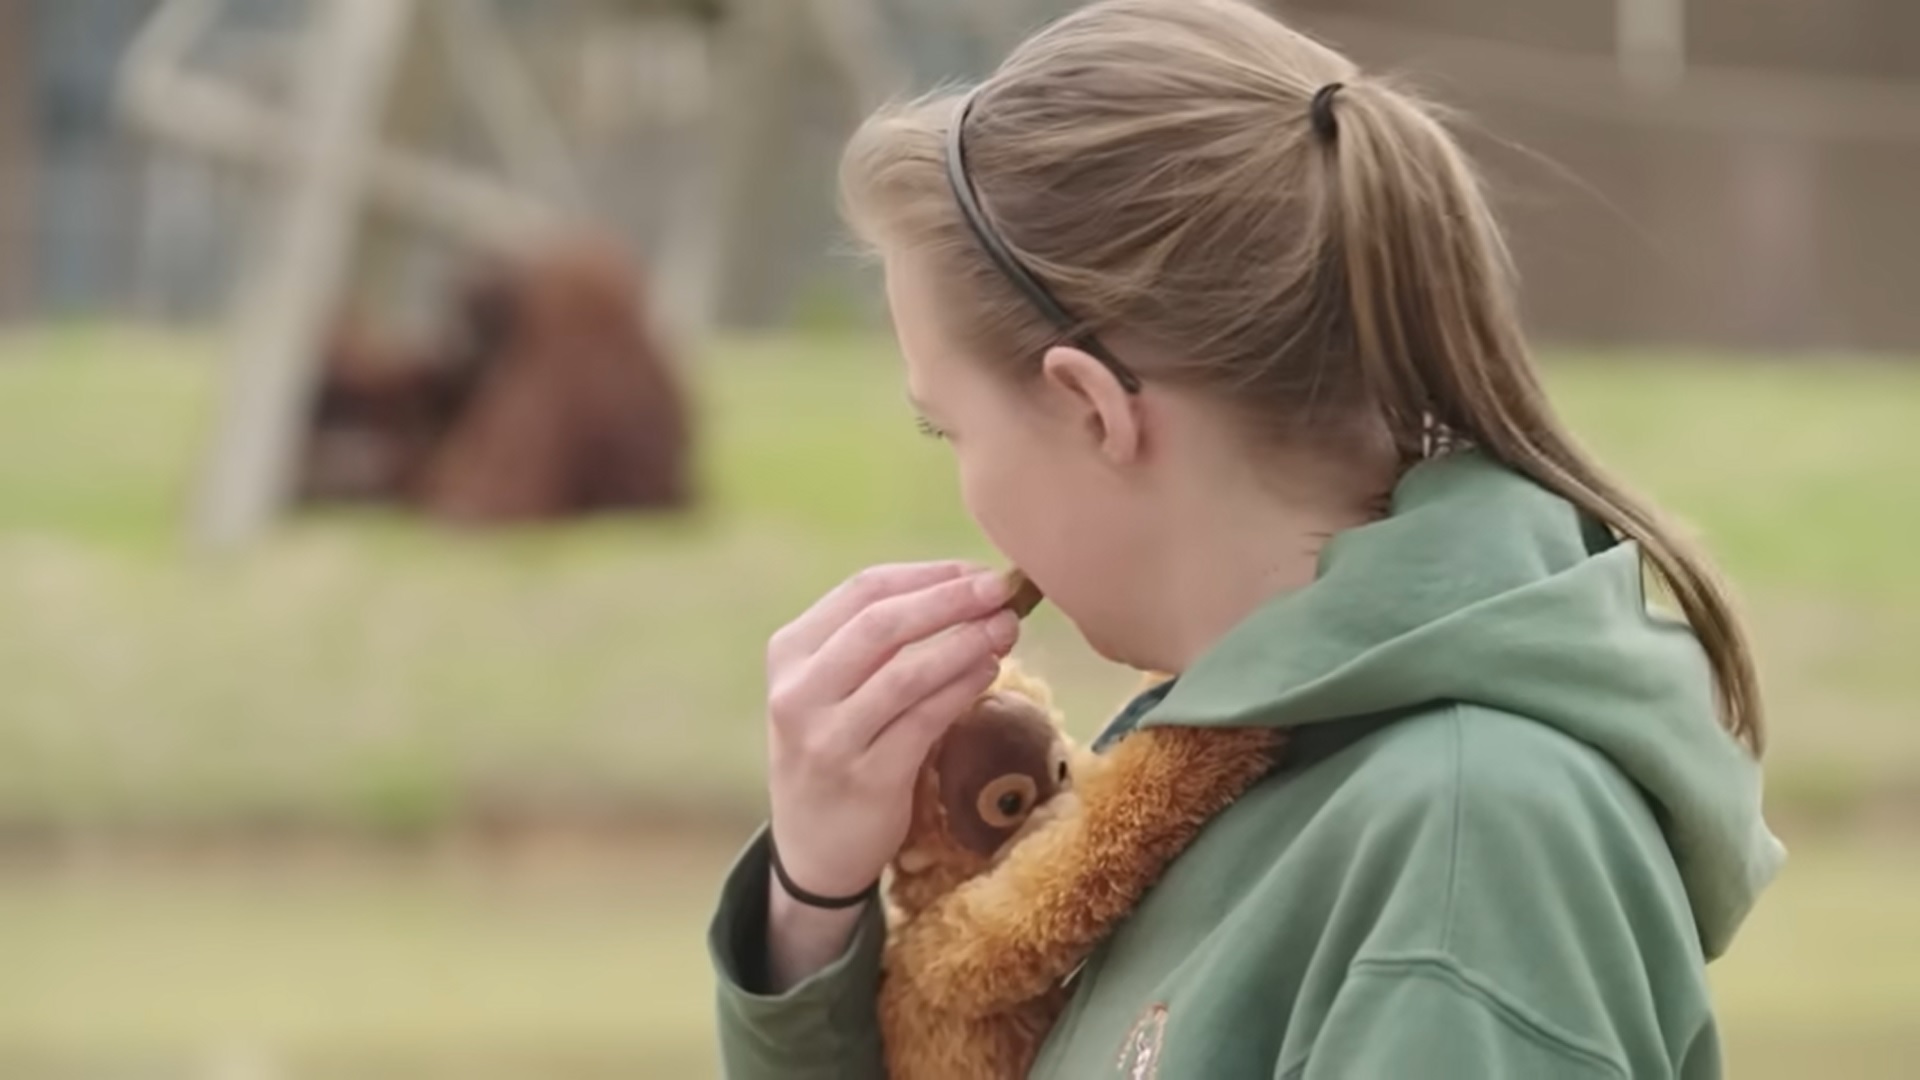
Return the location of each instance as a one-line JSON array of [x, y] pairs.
[[1096, 402]]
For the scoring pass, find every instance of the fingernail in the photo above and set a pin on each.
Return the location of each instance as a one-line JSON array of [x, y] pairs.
[[991, 586], [1002, 628]]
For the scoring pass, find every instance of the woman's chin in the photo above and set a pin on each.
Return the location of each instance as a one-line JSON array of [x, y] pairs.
[[1110, 648]]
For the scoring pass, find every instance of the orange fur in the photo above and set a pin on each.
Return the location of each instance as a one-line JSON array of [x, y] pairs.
[[979, 950]]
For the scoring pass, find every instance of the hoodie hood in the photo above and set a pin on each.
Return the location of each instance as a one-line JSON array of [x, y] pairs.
[[1484, 588]]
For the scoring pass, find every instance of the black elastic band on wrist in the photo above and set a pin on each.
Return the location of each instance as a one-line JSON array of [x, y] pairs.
[[813, 899]]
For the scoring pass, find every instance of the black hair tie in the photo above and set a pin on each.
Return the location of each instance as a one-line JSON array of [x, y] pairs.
[[1325, 124], [813, 899]]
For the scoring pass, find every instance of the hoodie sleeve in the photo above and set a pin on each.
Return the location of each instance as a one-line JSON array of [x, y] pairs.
[[826, 1027], [1425, 1015]]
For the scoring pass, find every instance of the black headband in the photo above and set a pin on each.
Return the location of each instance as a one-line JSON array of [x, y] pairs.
[[1010, 267]]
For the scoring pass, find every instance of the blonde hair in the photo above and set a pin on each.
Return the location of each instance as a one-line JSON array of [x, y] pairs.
[[1324, 268]]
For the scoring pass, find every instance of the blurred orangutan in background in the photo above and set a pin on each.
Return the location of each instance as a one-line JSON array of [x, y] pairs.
[[545, 396]]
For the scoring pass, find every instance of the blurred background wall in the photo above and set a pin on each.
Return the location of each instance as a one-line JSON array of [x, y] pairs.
[[1763, 202]]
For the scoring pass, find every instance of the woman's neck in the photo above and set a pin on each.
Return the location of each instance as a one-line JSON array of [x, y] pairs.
[[1228, 552]]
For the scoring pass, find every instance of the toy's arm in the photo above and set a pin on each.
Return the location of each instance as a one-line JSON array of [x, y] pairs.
[[1009, 936]]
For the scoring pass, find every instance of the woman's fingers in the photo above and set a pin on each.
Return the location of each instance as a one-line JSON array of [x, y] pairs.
[[901, 746], [805, 635], [871, 638], [901, 649], [921, 672]]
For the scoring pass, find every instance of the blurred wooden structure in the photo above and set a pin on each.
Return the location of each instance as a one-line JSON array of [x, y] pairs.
[[17, 156], [325, 155], [331, 150]]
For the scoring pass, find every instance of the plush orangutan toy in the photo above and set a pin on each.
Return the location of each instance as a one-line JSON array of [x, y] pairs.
[[1023, 853]]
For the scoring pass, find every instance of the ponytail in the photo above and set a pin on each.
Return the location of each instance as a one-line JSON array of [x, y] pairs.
[[1436, 331]]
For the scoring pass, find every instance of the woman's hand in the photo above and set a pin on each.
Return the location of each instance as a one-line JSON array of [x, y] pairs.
[[859, 687]]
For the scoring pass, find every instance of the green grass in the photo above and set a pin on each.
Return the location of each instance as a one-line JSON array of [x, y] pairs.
[[96, 430], [359, 972], [1800, 476], [1826, 977], [361, 669], [571, 973]]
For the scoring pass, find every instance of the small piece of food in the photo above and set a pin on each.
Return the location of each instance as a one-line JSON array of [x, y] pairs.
[[1026, 595]]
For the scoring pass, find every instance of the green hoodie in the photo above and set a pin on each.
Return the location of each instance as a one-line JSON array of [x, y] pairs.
[[1508, 837]]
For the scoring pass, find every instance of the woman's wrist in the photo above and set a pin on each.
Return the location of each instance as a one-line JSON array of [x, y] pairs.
[[803, 939]]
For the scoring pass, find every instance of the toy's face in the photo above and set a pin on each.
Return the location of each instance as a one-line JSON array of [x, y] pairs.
[[997, 765], [1001, 770]]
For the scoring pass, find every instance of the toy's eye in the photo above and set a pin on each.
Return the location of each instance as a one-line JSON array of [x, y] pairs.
[[1006, 800], [1060, 772]]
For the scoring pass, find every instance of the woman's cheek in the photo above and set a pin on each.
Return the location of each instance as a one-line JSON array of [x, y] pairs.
[[977, 497], [987, 493]]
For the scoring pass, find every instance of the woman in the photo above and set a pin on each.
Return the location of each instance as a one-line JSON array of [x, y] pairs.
[[1223, 338]]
